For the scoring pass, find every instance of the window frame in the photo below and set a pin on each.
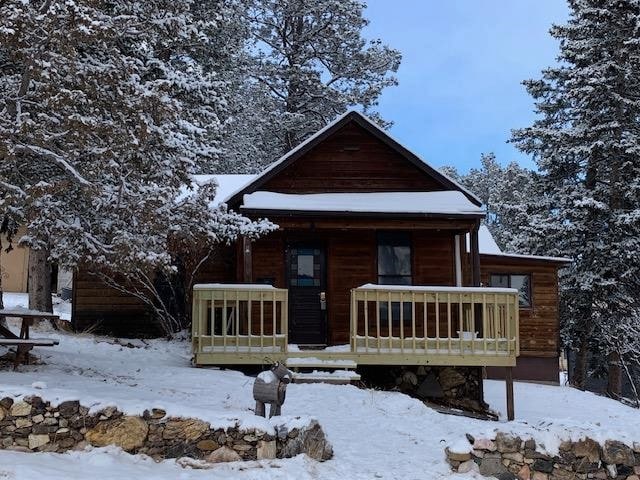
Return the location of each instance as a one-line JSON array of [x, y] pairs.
[[521, 274]]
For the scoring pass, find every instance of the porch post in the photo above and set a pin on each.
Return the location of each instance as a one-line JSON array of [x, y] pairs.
[[509, 383], [475, 256]]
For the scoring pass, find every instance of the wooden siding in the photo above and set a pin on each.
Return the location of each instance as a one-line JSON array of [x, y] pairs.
[[539, 328], [351, 160], [111, 311]]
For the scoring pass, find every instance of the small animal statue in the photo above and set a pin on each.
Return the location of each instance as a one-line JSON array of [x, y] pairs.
[[271, 387]]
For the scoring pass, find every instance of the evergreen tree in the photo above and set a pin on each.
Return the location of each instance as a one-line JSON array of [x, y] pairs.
[[506, 193], [311, 63], [585, 142], [107, 108]]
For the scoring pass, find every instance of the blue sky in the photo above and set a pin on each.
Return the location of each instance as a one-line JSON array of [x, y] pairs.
[[460, 90]]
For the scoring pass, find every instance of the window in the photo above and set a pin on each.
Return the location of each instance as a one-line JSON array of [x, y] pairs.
[[394, 268], [394, 258], [522, 283]]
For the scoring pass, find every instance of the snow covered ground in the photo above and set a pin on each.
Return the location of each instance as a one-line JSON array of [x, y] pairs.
[[375, 434]]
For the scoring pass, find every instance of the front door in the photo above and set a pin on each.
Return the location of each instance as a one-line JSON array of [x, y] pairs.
[[306, 264]]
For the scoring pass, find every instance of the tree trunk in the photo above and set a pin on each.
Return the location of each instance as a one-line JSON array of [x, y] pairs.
[[40, 280], [580, 369], [614, 375]]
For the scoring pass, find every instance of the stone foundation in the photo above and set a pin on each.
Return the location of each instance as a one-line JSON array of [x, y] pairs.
[[459, 387], [33, 425], [508, 458]]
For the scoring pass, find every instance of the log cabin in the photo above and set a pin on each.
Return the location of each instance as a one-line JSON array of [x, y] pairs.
[[378, 259]]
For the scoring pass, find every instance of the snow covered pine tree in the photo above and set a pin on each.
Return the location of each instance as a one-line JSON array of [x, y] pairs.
[[586, 144], [105, 112], [310, 64]]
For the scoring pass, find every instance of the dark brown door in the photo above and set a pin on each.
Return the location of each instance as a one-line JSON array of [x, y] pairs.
[[306, 265]]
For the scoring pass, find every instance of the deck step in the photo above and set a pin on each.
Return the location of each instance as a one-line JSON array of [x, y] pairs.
[[313, 362], [337, 377]]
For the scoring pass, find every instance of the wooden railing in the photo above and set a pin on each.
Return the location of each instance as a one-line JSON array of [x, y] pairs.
[[239, 319], [436, 321]]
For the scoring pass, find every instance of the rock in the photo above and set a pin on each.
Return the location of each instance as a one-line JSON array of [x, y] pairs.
[[23, 422], [250, 438], [492, 467], [514, 457], [544, 466], [484, 444], [127, 433], [207, 445], [68, 409], [539, 476], [507, 444], [37, 418], [612, 471], [311, 441], [456, 456], [20, 409], [615, 452], [223, 454], [187, 430], [633, 477], [450, 378], [187, 462], [524, 473], [506, 476], [6, 403], [530, 444], [587, 448], [158, 413], [468, 466], [3, 413], [266, 450], [36, 441], [107, 412], [430, 388]]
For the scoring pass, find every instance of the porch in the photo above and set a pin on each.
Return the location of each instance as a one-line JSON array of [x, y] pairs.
[[389, 325]]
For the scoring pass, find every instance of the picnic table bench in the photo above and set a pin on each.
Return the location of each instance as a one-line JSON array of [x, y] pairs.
[[23, 342]]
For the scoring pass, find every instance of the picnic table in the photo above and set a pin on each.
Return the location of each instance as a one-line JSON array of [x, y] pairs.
[[23, 342]]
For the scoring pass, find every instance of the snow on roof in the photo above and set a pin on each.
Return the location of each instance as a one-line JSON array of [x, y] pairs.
[[488, 246], [227, 185], [534, 257], [330, 125], [445, 202], [486, 242]]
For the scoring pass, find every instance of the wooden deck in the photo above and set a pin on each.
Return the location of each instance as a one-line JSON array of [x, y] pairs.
[[389, 325]]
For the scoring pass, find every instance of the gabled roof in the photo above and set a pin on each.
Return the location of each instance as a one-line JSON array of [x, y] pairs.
[[358, 118]]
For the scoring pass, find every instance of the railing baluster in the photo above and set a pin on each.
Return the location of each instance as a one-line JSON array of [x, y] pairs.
[[378, 319], [460, 324], [366, 323], [261, 321], [437, 305], [425, 326], [496, 320], [249, 319], [484, 322], [473, 324], [401, 323], [389, 314], [274, 330], [508, 322], [213, 319], [449, 320], [224, 322], [413, 320], [237, 320]]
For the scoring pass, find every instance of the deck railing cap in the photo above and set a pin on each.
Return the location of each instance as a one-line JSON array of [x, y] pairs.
[[233, 286], [434, 289]]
